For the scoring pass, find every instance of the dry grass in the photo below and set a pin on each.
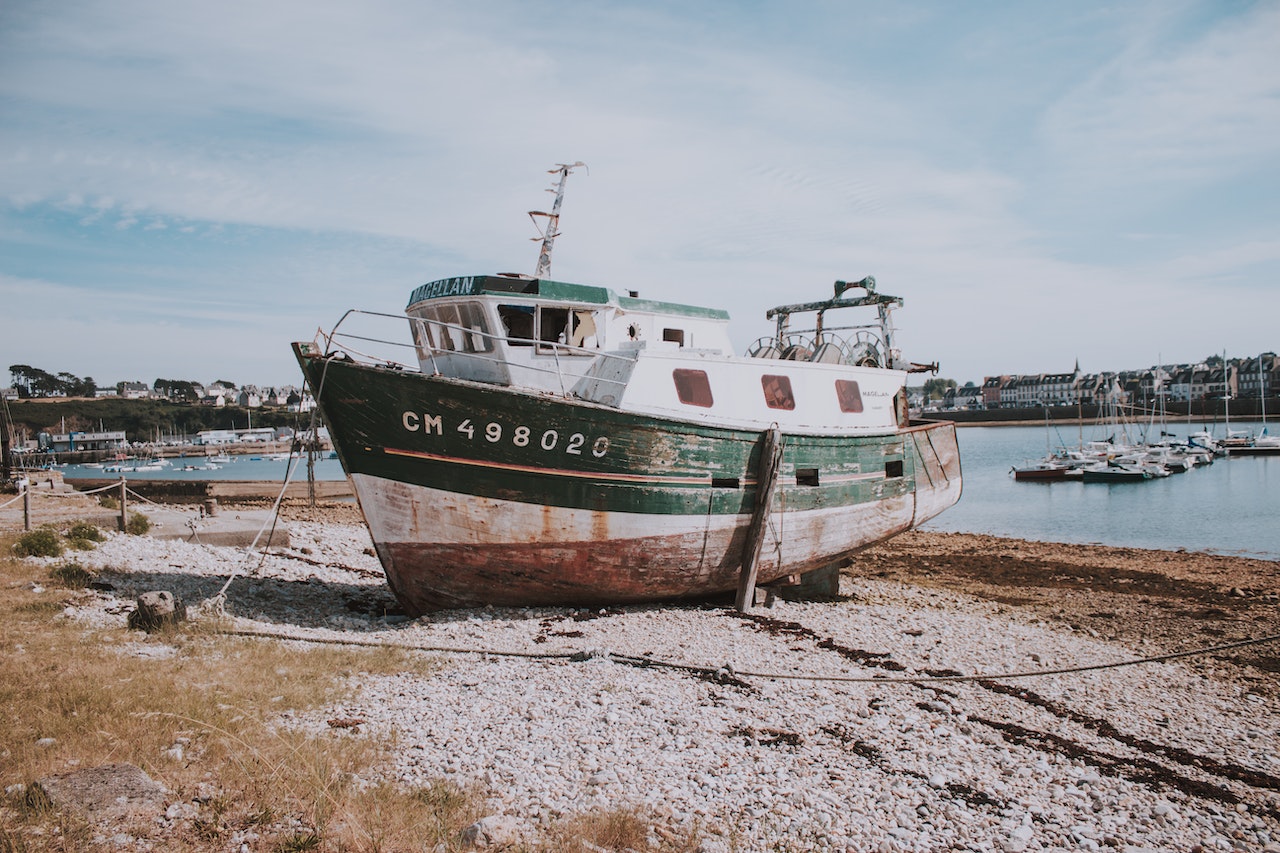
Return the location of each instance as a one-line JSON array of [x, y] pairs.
[[199, 712]]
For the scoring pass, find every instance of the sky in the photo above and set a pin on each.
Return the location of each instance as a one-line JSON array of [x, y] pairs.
[[186, 188]]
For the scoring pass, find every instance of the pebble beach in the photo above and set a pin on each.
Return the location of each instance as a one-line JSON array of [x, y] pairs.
[[915, 712]]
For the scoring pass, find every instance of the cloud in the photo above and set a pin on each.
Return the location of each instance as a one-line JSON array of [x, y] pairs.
[[989, 166], [1177, 105]]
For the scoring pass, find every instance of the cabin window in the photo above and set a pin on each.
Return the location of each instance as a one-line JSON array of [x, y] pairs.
[[806, 476], [693, 387], [893, 468], [551, 326], [421, 338], [777, 392], [675, 336], [456, 327], [557, 328], [849, 396], [518, 321]]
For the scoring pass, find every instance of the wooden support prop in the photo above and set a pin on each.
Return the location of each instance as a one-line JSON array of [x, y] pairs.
[[124, 515], [766, 480]]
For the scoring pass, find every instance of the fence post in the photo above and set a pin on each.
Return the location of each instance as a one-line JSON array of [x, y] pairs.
[[124, 517], [26, 505]]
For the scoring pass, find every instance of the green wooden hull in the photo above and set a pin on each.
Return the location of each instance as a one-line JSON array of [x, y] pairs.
[[481, 494]]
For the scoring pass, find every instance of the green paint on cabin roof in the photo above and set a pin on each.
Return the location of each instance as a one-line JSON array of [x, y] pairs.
[[563, 291], [631, 303], [560, 291]]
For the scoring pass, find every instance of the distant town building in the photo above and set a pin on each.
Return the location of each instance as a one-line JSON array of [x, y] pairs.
[[134, 390], [1177, 383], [216, 436], [62, 443]]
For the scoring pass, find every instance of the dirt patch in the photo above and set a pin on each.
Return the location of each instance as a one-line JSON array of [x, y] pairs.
[[1157, 601]]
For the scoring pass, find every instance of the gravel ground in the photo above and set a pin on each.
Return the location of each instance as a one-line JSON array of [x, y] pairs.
[[769, 731]]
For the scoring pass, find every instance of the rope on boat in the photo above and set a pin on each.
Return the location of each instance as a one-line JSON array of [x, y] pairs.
[[217, 602], [728, 670]]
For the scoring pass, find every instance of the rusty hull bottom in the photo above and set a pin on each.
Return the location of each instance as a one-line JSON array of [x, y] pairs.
[[431, 576]]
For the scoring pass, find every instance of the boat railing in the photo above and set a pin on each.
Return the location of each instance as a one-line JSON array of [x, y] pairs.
[[566, 364]]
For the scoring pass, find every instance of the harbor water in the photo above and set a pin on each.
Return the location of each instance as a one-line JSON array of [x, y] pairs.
[[1230, 507]]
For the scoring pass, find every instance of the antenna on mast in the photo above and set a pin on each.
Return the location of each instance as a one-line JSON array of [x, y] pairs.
[[551, 231]]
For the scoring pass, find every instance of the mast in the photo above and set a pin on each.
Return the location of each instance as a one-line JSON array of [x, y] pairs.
[[551, 230], [1226, 395], [1262, 392]]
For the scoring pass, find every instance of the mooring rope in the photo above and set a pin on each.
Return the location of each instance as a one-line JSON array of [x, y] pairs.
[[728, 669], [217, 602]]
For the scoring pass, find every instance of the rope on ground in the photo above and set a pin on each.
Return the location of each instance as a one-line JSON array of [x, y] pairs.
[[728, 670], [411, 647]]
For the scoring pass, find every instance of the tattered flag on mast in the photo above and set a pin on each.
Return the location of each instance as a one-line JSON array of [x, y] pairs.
[[550, 231]]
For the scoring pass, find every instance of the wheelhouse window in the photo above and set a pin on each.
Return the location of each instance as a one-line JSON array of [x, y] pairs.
[[849, 395], [518, 322], [693, 387], [454, 327], [675, 336], [777, 392], [550, 328]]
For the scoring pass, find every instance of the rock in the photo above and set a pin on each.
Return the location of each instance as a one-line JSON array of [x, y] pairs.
[[492, 831], [157, 609], [1018, 839], [99, 794]]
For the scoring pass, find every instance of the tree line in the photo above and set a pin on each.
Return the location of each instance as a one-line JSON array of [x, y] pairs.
[[141, 420], [35, 383]]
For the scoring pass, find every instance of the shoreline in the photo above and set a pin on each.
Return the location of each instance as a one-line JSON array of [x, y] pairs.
[[554, 711]]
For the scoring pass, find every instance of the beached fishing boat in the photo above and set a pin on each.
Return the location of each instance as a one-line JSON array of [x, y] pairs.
[[546, 443]]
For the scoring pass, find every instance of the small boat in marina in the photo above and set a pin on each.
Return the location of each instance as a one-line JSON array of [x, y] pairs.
[[550, 443], [1114, 472], [1264, 445], [1042, 470]]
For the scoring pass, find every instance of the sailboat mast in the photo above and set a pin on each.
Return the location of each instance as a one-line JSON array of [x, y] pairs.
[[1226, 395], [1262, 392], [552, 230]]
